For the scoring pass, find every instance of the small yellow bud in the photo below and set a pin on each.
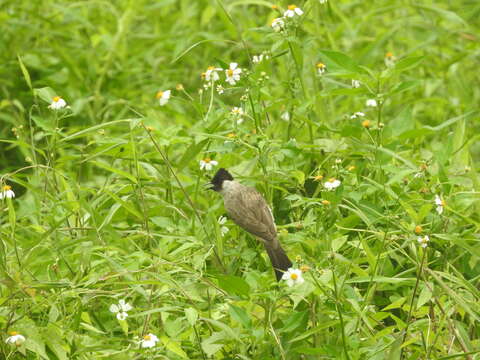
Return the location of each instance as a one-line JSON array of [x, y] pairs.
[[418, 229], [366, 124], [304, 268]]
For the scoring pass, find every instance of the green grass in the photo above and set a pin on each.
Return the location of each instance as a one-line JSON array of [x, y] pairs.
[[110, 201]]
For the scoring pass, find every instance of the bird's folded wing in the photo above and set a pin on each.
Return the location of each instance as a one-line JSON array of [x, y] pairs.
[[251, 212]]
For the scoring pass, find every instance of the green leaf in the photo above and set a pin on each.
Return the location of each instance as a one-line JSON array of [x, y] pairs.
[[192, 315], [46, 94], [396, 304], [45, 124], [408, 63], [240, 315], [295, 320], [424, 297], [340, 60], [299, 176], [173, 346], [233, 285], [25, 73]]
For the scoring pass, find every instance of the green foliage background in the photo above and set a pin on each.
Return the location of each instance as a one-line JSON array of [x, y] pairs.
[[107, 208]]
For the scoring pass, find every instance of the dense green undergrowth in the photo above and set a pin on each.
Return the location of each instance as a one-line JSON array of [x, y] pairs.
[[110, 202]]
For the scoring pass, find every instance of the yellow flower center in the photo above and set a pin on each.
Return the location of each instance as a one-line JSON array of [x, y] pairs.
[[147, 337], [231, 135], [7, 187], [292, 7], [321, 65], [211, 68], [274, 7], [331, 180], [389, 54], [159, 94], [56, 99], [443, 203], [230, 72], [351, 168], [207, 160], [418, 229], [325, 202], [366, 123], [203, 75], [293, 276], [13, 333], [318, 177]]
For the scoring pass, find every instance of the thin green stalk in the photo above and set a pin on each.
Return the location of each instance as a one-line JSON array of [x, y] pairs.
[[415, 289], [340, 316]]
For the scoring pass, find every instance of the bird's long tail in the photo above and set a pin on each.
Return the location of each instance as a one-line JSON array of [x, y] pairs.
[[279, 259]]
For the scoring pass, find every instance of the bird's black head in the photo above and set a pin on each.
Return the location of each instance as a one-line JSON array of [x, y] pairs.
[[219, 178]]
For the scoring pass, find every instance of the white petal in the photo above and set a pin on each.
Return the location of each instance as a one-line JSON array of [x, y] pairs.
[[233, 66], [122, 315], [298, 11], [114, 308]]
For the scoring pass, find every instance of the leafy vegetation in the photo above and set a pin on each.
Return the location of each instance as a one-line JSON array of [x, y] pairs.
[[110, 202]]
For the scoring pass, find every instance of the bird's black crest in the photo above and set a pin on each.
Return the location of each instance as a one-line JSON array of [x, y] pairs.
[[219, 178]]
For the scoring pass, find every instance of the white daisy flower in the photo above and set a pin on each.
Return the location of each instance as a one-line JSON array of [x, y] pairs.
[[233, 74], [357, 114], [223, 229], [121, 309], [238, 114], [259, 58], [355, 83], [212, 73], [57, 103], [278, 24], [332, 184], [292, 10], [390, 59], [7, 192], [321, 68], [207, 164], [285, 116], [15, 338], [148, 341], [220, 89], [293, 277], [423, 241], [163, 97], [440, 204], [371, 102]]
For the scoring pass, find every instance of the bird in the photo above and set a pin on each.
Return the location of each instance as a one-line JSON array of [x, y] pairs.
[[249, 210]]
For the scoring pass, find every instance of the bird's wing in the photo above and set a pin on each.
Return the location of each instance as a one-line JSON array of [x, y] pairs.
[[249, 210]]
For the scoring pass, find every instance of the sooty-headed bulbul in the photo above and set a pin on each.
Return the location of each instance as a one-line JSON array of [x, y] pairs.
[[249, 210]]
